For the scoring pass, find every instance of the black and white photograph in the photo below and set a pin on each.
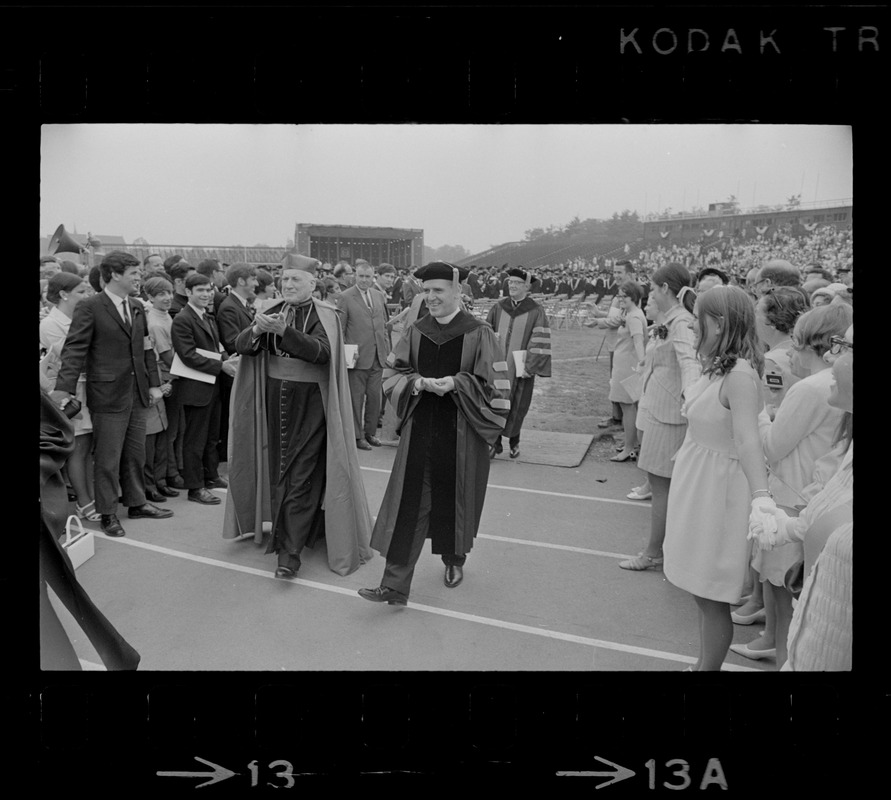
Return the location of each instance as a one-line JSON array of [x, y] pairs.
[[464, 392]]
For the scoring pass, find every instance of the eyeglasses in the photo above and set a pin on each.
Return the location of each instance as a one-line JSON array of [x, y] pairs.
[[839, 344]]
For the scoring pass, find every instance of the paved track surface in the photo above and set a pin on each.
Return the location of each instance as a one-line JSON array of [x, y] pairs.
[[542, 590]]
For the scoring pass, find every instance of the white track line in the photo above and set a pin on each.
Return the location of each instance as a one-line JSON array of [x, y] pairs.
[[443, 612], [635, 503], [554, 546]]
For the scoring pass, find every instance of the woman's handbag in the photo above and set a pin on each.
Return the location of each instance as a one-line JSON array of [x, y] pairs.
[[81, 546]]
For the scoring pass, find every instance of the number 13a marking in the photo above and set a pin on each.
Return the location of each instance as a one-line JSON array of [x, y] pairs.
[[713, 773]]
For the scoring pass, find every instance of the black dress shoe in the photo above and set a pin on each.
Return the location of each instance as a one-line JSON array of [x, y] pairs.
[[111, 525], [362, 444], [176, 482], [216, 483], [149, 511], [373, 441], [203, 496], [167, 491], [384, 595], [453, 575], [285, 572], [154, 497]]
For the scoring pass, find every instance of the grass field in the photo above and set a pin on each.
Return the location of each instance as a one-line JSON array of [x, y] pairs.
[[576, 397]]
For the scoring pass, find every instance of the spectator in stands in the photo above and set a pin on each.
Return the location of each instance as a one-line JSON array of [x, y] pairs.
[[751, 280], [160, 294], [69, 267], [811, 286], [827, 294], [777, 272], [845, 275], [816, 271], [178, 273], [49, 266], [170, 261], [708, 277], [332, 289], [64, 292]]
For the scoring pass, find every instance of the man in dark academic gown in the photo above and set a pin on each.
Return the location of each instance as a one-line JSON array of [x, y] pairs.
[[447, 383], [292, 446], [522, 327]]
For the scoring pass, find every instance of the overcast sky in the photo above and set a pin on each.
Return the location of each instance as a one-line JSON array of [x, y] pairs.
[[469, 185]]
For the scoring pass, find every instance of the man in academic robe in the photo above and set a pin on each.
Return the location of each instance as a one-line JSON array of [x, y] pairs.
[[525, 336], [292, 451], [447, 381]]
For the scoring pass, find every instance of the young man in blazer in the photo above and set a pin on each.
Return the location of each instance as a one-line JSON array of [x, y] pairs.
[[236, 312], [364, 316], [108, 339], [194, 328]]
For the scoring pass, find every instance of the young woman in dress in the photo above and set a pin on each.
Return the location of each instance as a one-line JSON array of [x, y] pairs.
[[719, 476], [628, 354], [670, 369], [64, 292]]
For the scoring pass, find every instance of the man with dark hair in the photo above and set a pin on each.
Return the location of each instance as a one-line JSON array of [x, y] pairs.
[[708, 277], [817, 271], [178, 274], [170, 261], [446, 380], [384, 280], [153, 267], [197, 344], [212, 269], [236, 312], [343, 274], [95, 279], [411, 286], [107, 340], [293, 461]]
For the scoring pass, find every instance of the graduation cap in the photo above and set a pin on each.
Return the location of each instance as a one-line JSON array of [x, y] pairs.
[[305, 263], [519, 273], [442, 271]]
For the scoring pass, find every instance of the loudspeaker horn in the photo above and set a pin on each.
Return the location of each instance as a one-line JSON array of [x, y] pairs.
[[64, 242]]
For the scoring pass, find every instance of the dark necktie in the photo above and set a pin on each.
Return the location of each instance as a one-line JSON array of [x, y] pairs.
[[125, 305]]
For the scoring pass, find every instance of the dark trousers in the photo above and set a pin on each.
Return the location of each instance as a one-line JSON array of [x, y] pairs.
[[174, 433], [155, 460], [398, 576], [200, 436], [119, 457], [365, 387]]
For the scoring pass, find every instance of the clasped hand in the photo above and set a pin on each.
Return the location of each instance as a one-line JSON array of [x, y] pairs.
[[438, 386], [764, 523], [270, 323]]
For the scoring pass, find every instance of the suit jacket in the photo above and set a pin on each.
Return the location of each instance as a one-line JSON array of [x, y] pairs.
[[188, 332], [232, 318], [364, 326], [100, 345]]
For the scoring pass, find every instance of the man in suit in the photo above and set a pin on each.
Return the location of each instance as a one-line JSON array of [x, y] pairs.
[[236, 312], [212, 269], [386, 277], [178, 274], [411, 286], [364, 316], [194, 329], [108, 339]]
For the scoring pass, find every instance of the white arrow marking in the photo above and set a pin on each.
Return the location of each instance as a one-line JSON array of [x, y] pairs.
[[219, 773], [620, 773]]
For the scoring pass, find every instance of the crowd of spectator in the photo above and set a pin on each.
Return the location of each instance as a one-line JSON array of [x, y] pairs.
[[775, 311]]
